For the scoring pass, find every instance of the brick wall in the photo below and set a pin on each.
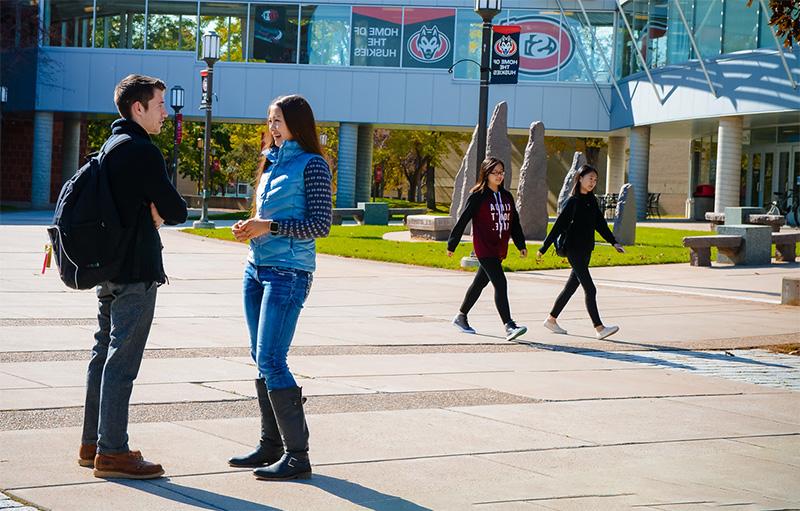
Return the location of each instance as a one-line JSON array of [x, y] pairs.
[[16, 156]]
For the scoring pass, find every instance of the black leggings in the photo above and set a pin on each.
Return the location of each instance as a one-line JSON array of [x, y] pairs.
[[579, 276], [491, 269]]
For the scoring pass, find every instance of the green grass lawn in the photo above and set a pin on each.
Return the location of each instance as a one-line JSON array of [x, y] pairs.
[[654, 246]]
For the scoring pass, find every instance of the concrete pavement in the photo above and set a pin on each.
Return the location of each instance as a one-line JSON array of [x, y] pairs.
[[404, 411]]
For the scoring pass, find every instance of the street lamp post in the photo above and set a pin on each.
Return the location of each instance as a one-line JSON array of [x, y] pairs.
[[176, 102], [211, 42], [487, 10]]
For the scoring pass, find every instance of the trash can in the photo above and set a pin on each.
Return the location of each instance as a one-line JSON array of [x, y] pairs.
[[703, 201]]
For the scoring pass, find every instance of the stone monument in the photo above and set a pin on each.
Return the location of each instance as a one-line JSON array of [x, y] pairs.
[[625, 216], [532, 190]]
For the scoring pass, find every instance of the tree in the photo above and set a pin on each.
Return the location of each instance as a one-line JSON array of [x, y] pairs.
[[785, 18], [411, 152]]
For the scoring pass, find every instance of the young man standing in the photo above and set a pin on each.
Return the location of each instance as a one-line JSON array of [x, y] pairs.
[[145, 199]]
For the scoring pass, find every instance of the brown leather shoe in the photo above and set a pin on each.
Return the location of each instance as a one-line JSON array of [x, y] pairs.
[[86, 455], [126, 465]]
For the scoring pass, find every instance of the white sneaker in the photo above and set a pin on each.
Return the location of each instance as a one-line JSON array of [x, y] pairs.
[[607, 331], [553, 327]]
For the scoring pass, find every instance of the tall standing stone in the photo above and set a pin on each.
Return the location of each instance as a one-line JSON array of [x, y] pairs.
[[465, 177], [578, 161], [498, 145], [625, 216], [532, 191]]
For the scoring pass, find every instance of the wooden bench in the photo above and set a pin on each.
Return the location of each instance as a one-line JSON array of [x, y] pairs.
[[405, 212], [340, 213], [774, 221], [785, 246], [700, 247]]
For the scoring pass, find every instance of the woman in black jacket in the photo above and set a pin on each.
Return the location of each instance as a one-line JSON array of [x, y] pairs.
[[494, 219], [579, 219]]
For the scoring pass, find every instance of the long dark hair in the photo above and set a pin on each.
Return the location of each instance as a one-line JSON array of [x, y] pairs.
[[487, 167], [299, 119], [586, 169]]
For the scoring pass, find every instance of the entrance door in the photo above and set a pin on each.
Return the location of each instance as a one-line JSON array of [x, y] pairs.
[[767, 180], [754, 183]]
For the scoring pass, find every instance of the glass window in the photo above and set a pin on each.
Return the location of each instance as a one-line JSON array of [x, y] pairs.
[[377, 36], [273, 33], [119, 24], [678, 45], [655, 33], [468, 44], [596, 40], [573, 69], [171, 25], [635, 13], [547, 47], [229, 21], [740, 30], [708, 27], [68, 23], [789, 134], [762, 136], [325, 35]]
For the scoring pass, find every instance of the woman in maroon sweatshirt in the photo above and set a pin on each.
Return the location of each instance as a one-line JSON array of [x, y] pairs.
[[494, 220]]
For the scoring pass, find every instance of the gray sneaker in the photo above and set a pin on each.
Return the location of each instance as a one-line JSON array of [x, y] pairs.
[[513, 330], [460, 322]]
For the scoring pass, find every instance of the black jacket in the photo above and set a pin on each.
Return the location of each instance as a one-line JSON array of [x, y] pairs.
[[584, 213], [138, 176]]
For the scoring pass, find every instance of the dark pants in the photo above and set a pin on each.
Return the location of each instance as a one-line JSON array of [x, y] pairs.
[[124, 318], [491, 269], [579, 276]]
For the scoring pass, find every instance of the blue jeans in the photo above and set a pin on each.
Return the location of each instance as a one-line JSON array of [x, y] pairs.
[[124, 318], [273, 299]]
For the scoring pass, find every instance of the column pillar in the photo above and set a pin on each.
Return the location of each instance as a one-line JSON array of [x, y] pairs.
[[639, 166], [729, 163], [364, 163], [70, 160], [42, 159], [346, 165], [615, 164]]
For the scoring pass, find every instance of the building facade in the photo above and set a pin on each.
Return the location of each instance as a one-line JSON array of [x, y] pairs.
[[710, 73]]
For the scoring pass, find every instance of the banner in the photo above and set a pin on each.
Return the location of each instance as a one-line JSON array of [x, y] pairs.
[[178, 127], [505, 54], [428, 37], [376, 36], [273, 39]]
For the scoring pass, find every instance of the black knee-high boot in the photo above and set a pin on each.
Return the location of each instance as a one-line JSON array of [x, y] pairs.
[[294, 464], [270, 448]]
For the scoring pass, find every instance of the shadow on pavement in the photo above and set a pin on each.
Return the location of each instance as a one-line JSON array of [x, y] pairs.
[[203, 499], [628, 356], [361, 495]]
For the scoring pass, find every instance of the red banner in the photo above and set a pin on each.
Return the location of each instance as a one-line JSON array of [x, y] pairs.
[[178, 127]]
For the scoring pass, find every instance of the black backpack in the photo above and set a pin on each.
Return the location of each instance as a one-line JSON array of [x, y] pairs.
[[87, 234]]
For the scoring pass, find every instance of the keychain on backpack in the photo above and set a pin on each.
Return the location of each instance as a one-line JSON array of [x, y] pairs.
[[48, 257]]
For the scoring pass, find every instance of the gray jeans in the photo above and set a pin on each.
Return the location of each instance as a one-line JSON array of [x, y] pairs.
[[124, 318]]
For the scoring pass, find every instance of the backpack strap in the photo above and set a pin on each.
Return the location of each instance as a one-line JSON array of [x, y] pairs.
[[112, 143]]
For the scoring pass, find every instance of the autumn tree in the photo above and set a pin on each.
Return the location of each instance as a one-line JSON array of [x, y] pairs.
[[784, 16], [406, 156]]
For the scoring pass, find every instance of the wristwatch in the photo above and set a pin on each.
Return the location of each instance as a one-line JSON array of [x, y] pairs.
[[274, 227]]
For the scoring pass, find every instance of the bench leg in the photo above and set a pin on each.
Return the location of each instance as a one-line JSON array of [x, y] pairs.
[[785, 253], [700, 256], [734, 255]]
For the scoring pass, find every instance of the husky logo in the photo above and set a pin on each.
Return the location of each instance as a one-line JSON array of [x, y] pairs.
[[505, 46], [428, 45], [545, 46]]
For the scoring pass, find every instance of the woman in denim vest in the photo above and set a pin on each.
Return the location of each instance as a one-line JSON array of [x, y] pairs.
[[293, 207]]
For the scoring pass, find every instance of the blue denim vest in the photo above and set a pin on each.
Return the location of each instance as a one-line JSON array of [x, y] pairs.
[[282, 196]]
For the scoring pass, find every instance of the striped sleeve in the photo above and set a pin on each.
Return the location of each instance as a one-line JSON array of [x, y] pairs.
[[317, 223]]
